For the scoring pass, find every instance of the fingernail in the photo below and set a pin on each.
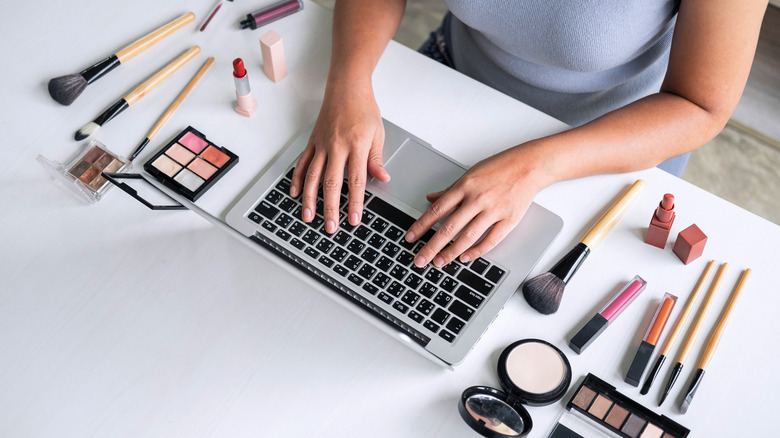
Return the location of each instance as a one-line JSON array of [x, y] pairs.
[[439, 262], [410, 237], [419, 261], [354, 219], [306, 214], [330, 226], [293, 191], [465, 259]]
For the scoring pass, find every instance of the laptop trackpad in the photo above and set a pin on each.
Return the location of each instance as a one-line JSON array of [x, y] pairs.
[[416, 171]]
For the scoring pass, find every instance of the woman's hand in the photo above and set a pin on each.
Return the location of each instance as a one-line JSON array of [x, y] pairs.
[[488, 200], [348, 133]]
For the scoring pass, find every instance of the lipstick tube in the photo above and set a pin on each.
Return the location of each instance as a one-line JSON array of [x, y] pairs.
[[245, 103], [609, 313], [661, 224], [650, 340], [271, 13]]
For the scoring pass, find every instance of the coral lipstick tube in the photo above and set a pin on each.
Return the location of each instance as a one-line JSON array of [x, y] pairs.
[[650, 340], [609, 313], [245, 103], [661, 223]]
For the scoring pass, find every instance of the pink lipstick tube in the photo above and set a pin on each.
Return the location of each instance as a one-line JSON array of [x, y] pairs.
[[271, 13], [609, 313]]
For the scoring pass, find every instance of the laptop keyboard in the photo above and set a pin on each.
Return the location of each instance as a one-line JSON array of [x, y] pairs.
[[375, 257]]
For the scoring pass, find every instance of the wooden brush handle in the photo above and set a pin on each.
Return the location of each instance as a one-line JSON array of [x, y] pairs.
[[613, 215], [164, 118], [150, 39], [713, 344], [670, 340], [160, 76], [705, 307]]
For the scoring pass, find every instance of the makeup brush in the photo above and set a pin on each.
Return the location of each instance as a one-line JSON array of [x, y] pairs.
[[713, 344], [544, 292], [211, 14], [167, 114], [65, 89], [694, 333], [678, 327], [140, 91]]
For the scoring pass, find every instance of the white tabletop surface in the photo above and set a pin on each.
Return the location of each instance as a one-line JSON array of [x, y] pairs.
[[120, 321]]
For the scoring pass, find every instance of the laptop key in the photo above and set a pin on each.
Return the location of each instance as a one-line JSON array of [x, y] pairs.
[[325, 245], [269, 226], [461, 310], [430, 325], [362, 232], [284, 235], [396, 289], [355, 279], [440, 316], [311, 252], [267, 210], [326, 261], [297, 228], [443, 299], [475, 282], [368, 216], [390, 213], [384, 263], [376, 241], [381, 280], [340, 270], [394, 233], [479, 265], [398, 272], [494, 274], [341, 238], [370, 288], [451, 268], [367, 271], [254, 217], [274, 197], [449, 284], [391, 249], [426, 307], [353, 263], [370, 254], [405, 258], [413, 281], [434, 275], [298, 244], [428, 290], [447, 336], [284, 186], [385, 297], [283, 220], [410, 298], [310, 237], [339, 253], [455, 325], [469, 297], [416, 317], [356, 246], [401, 307], [379, 225]]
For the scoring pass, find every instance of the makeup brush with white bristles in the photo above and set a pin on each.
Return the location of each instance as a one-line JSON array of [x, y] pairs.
[[65, 89], [140, 91], [544, 292]]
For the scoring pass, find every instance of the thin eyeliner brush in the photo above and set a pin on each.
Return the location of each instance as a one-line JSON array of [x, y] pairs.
[[140, 91], [694, 333], [678, 327], [169, 112], [712, 344]]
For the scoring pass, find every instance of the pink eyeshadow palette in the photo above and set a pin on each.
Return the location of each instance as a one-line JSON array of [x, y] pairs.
[[190, 163]]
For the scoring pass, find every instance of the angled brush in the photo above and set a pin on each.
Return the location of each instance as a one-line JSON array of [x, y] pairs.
[[65, 89], [544, 292], [140, 91]]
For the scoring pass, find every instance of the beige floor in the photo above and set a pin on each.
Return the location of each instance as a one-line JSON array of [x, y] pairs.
[[737, 165]]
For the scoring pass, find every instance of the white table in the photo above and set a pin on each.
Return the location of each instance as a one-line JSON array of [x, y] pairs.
[[119, 321]]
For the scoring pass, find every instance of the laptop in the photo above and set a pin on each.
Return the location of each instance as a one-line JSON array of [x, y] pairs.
[[439, 312]]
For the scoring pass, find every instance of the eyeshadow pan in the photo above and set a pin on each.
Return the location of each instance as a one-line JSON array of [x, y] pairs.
[[584, 397], [89, 175], [202, 168], [180, 154], [92, 156], [633, 426], [193, 142], [214, 156], [652, 431], [103, 161], [79, 168], [166, 165], [189, 180], [600, 407], [616, 416]]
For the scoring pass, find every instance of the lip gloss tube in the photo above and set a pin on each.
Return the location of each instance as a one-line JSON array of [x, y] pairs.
[[609, 313], [650, 340], [271, 13]]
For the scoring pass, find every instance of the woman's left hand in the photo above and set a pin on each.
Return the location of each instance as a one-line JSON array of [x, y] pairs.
[[488, 200]]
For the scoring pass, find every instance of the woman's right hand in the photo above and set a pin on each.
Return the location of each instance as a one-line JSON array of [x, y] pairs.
[[348, 134]]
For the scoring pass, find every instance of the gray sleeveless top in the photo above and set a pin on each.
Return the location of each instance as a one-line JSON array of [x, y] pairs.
[[573, 59]]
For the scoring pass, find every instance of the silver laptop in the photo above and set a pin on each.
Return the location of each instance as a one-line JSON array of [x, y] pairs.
[[440, 312]]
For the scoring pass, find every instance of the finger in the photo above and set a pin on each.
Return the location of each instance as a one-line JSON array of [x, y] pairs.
[[331, 192], [432, 197], [463, 221], [311, 186], [496, 234], [356, 180], [300, 170], [442, 207], [376, 166]]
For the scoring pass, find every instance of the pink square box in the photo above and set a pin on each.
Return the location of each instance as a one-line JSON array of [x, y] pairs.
[[690, 244]]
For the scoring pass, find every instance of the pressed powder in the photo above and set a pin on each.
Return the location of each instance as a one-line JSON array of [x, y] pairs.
[[535, 367]]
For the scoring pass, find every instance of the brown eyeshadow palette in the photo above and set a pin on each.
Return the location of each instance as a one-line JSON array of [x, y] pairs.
[[190, 164], [83, 174], [597, 409]]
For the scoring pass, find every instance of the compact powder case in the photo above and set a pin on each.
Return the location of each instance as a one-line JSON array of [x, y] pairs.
[[531, 372]]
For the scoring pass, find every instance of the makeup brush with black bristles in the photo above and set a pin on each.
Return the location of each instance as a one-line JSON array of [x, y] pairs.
[[140, 91], [65, 89], [544, 292]]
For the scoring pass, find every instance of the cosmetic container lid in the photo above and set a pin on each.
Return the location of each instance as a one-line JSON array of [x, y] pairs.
[[531, 372], [82, 175]]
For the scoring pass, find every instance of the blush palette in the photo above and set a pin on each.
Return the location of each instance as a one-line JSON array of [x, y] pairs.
[[190, 164]]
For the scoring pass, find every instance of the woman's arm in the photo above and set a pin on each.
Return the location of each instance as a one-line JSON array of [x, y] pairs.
[[349, 128], [712, 51]]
